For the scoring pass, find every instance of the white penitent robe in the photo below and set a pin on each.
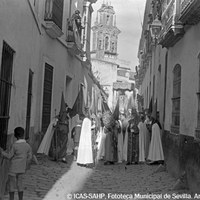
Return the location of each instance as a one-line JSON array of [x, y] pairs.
[[142, 141], [85, 155], [120, 144], [46, 141], [147, 139], [101, 144], [155, 149]]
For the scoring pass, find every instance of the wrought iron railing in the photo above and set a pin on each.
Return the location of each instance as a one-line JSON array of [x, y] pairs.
[[185, 4], [168, 15]]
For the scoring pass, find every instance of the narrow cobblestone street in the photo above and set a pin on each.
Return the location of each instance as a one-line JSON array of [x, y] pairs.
[[59, 181]]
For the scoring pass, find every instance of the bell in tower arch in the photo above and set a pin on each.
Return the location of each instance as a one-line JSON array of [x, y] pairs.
[[113, 47], [106, 42], [107, 19]]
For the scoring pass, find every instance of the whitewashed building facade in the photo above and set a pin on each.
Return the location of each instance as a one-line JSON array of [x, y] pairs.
[[168, 78], [44, 52]]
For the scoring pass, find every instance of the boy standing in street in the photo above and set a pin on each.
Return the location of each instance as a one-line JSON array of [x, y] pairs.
[[20, 157]]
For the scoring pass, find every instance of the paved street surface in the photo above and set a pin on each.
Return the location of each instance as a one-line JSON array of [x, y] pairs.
[[59, 181]]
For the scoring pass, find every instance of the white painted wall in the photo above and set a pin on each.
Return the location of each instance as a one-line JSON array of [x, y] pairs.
[[19, 30], [22, 27], [185, 52]]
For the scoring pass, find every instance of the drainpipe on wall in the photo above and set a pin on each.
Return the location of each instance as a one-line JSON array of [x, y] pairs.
[[165, 88]]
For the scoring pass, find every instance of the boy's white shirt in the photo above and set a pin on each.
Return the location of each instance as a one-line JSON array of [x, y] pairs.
[[10, 154]]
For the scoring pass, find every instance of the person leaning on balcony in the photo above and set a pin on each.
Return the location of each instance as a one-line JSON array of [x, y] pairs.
[[20, 157]]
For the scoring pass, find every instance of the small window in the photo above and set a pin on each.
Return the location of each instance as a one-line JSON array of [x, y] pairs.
[[99, 45], [106, 42], [113, 47], [107, 19]]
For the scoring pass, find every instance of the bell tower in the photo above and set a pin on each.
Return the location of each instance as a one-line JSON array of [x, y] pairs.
[[105, 33]]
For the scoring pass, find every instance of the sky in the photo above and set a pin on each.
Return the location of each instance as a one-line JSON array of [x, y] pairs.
[[129, 17]]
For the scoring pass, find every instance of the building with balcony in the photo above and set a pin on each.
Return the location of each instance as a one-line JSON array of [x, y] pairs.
[[168, 80], [44, 53]]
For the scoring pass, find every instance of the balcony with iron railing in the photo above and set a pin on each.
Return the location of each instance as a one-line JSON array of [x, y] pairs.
[[123, 86], [148, 43], [145, 59], [172, 29], [140, 74], [53, 18], [74, 30], [190, 14]]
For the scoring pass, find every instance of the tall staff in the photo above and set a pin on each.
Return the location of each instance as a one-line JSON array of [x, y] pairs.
[[55, 141]]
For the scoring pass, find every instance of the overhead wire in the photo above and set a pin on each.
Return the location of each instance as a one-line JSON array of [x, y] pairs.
[[140, 18]]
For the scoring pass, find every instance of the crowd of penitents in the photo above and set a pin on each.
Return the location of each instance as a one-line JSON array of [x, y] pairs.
[[130, 138]]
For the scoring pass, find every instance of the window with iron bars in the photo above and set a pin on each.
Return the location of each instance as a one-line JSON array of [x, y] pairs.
[[197, 133], [47, 96], [176, 100], [29, 98], [5, 91]]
